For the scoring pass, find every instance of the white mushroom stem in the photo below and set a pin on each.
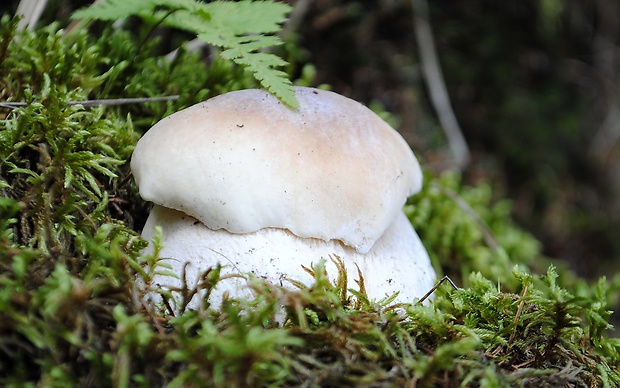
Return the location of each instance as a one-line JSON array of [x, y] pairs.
[[397, 262]]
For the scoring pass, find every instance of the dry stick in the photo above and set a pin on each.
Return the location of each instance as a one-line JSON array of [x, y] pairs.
[[486, 232], [605, 53], [31, 13], [608, 134], [444, 279], [78, 24], [105, 102], [300, 9], [518, 315], [436, 84], [191, 46]]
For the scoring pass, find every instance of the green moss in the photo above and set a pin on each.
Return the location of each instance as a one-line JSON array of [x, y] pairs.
[[71, 272]]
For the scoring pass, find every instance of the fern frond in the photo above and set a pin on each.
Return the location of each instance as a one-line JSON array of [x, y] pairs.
[[244, 30], [112, 10], [248, 16], [262, 66]]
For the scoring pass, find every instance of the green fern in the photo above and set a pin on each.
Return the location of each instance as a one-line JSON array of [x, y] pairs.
[[242, 29]]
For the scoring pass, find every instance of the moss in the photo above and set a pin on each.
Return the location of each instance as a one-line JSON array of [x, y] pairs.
[[71, 272]]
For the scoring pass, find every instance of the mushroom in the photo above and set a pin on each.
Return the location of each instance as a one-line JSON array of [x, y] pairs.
[[245, 181]]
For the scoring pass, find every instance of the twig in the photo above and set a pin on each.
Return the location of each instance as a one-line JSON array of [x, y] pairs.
[[106, 102], [444, 279], [608, 134], [518, 315], [436, 84], [605, 58], [31, 11], [191, 46], [486, 231], [300, 9], [78, 24], [511, 339]]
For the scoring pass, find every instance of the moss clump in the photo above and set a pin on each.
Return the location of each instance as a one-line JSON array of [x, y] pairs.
[[70, 263]]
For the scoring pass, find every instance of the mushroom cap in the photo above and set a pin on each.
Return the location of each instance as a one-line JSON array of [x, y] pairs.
[[243, 161], [397, 262]]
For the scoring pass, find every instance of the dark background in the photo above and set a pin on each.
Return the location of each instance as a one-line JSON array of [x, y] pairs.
[[534, 86]]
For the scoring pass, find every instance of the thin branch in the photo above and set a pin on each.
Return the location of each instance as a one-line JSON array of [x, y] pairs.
[[439, 283], [31, 11], [300, 9], [79, 24], [106, 102], [436, 84], [607, 136], [466, 207], [518, 315], [191, 46]]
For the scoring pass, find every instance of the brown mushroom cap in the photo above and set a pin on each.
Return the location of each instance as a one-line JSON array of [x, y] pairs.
[[243, 161]]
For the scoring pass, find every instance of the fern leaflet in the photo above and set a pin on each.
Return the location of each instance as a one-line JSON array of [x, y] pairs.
[[243, 30]]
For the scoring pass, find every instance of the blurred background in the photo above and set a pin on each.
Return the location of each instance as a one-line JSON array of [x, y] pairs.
[[533, 84], [532, 89]]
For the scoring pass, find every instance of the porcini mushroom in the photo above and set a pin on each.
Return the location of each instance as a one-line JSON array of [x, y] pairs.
[[245, 181]]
